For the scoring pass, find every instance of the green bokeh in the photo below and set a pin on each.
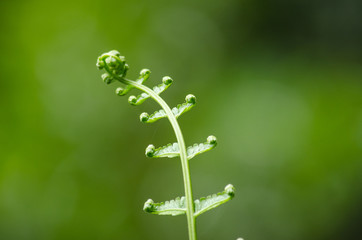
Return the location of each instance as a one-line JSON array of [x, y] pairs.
[[279, 83]]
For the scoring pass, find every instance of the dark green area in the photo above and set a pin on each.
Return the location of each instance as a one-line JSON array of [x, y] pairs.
[[279, 83]]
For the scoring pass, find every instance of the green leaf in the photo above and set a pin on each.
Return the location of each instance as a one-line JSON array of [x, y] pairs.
[[144, 117], [197, 149], [184, 107], [170, 151], [173, 150], [166, 82], [178, 206], [144, 75], [177, 111], [213, 201], [173, 207]]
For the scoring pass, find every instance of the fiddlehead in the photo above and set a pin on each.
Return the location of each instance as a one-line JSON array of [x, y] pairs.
[[114, 64]]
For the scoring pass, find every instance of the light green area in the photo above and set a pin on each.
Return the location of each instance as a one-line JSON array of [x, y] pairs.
[[116, 68]]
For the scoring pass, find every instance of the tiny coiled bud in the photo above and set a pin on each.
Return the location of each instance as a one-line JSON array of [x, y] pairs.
[[132, 99], [148, 207], [150, 150], [145, 73], [190, 99], [211, 139], [115, 53], [230, 190], [167, 80], [113, 62], [144, 117], [107, 78], [119, 91], [100, 64]]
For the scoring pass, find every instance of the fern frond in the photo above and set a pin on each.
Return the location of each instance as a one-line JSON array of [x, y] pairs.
[[116, 68]]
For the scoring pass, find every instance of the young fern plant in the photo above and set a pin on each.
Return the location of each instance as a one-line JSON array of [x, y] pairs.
[[116, 69]]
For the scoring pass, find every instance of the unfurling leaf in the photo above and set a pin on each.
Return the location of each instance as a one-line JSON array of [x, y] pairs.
[[114, 64], [213, 201], [197, 149], [166, 82], [173, 207], [144, 75], [184, 107], [178, 206], [144, 117], [177, 111], [173, 150], [170, 151]]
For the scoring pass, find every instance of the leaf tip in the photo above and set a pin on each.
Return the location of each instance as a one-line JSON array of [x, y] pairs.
[[144, 117], [132, 100], [148, 207], [212, 139], [120, 91], [150, 150], [230, 190], [190, 98], [167, 80], [145, 73], [107, 78]]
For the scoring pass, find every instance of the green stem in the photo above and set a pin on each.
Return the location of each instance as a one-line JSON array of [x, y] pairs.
[[191, 219]]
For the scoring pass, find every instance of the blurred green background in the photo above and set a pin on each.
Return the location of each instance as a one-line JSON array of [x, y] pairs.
[[278, 82]]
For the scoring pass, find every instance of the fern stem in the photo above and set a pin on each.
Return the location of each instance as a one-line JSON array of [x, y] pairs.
[[191, 219]]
